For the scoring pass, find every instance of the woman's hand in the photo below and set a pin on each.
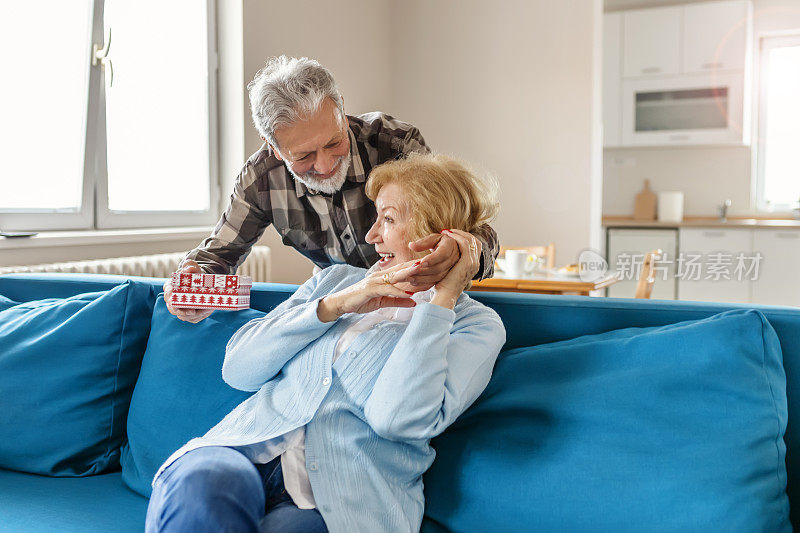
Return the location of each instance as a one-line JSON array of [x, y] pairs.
[[377, 290], [452, 285]]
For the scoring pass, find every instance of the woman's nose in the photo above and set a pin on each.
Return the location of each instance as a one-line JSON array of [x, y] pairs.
[[372, 234]]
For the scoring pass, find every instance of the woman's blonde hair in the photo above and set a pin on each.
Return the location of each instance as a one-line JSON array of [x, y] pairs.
[[441, 192]]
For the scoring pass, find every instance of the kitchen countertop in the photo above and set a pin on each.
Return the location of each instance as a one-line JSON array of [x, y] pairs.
[[702, 222]]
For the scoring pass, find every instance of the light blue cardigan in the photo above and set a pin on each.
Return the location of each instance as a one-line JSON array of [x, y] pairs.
[[370, 415]]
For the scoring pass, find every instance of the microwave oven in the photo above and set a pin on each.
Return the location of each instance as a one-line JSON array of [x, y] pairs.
[[685, 110]]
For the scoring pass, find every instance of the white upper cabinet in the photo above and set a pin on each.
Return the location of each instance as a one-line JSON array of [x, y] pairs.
[[678, 75], [715, 36], [684, 110], [652, 42], [612, 72]]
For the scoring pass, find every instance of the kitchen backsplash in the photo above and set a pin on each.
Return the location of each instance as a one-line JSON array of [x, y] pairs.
[[706, 175]]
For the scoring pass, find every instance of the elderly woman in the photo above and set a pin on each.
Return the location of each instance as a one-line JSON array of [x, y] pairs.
[[355, 373]]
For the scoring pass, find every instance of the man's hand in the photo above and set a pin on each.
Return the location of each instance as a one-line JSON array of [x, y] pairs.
[[453, 284], [188, 315], [435, 266]]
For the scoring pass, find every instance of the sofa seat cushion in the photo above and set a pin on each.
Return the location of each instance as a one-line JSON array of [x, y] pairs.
[[32, 504], [67, 371], [671, 428], [180, 393]]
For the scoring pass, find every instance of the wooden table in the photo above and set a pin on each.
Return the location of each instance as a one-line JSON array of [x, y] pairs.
[[545, 284]]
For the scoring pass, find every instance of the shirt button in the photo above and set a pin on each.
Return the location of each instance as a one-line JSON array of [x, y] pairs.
[[326, 381], [312, 466], [347, 236]]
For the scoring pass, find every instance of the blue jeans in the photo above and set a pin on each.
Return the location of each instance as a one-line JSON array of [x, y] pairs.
[[216, 488]]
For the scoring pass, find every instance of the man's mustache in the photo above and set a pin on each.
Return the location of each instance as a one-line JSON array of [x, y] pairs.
[[313, 173]]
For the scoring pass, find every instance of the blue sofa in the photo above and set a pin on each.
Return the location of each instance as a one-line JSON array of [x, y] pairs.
[[104, 502]]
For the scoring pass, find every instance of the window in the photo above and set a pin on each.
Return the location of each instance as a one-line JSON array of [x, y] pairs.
[[109, 114], [778, 157]]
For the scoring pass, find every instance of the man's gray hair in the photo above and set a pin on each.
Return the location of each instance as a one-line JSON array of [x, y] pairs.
[[288, 89]]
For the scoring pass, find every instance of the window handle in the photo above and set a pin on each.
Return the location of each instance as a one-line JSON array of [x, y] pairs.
[[100, 55]]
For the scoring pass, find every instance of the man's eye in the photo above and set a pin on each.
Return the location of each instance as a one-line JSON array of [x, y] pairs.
[[305, 157]]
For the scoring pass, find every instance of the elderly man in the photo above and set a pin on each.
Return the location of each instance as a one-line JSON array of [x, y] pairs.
[[308, 181]]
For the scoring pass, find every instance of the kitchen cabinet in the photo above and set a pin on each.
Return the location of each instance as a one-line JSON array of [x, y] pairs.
[[685, 110], [715, 251], [626, 250], [736, 265], [715, 36], [652, 41], [612, 74], [682, 73], [778, 280]]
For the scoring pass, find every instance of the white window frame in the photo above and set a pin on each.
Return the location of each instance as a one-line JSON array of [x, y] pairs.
[[767, 42], [93, 212]]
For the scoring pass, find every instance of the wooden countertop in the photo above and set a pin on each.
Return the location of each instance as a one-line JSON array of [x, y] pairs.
[[544, 284], [702, 222]]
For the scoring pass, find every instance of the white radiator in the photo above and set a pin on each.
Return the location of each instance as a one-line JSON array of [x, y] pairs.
[[257, 265]]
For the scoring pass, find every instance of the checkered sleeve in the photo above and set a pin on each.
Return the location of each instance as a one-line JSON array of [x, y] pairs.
[[490, 248], [413, 142], [239, 228]]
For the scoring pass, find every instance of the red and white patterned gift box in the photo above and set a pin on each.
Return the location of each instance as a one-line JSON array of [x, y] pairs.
[[210, 291]]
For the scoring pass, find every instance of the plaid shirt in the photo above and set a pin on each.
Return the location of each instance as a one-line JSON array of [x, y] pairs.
[[325, 228]]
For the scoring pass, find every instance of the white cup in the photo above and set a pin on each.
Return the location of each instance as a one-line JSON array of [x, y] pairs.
[[516, 263], [670, 206]]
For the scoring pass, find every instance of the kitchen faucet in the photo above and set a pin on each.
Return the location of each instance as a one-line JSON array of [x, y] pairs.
[[723, 210]]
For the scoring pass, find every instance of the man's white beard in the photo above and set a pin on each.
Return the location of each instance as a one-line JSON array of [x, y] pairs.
[[328, 185]]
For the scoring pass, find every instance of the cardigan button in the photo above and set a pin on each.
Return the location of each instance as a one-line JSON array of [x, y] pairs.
[[326, 381], [312, 466]]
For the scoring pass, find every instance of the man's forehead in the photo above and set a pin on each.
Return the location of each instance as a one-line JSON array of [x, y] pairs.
[[308, 134]]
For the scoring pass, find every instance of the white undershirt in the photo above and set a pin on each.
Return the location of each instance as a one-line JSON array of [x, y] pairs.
[[293, 458]]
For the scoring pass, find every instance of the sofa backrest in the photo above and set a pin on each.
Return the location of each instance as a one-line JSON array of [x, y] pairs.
[[529, 320]]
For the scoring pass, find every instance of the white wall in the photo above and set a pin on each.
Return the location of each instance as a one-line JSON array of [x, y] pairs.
[[707, 176], [509, 87], [350, 37]]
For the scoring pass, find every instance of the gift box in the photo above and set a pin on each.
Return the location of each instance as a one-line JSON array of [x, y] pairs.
[[210, 291]]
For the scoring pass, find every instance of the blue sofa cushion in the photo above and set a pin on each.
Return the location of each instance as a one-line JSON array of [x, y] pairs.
[[671, 428], [180, 393], [67, 371], [37, 504], [5, 303]]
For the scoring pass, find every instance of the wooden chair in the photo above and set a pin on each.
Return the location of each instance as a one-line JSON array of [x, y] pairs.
[[647, 276], [548, 252]]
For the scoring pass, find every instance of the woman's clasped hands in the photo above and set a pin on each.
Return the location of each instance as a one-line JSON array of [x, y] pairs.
[[391, 287], [382, 288]]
